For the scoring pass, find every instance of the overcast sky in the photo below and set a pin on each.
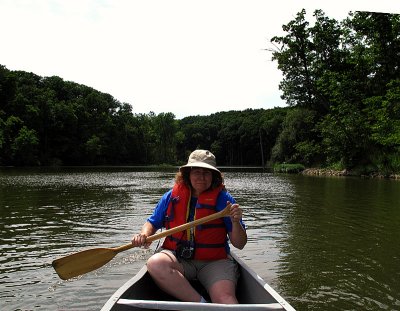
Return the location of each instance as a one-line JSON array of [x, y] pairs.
[[180, 56]]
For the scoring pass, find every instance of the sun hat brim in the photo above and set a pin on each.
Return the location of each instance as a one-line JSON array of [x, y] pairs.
[[201, 158], [200, 164]]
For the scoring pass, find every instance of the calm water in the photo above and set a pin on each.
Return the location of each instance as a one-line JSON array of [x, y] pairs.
[[322, 243]]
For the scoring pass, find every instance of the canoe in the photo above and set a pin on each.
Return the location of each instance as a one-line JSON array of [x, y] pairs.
[[141, 293]]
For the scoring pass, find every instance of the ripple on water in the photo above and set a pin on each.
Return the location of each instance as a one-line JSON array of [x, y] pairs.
[[317, 241]]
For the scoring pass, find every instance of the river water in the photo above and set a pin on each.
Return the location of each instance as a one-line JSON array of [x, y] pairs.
[[323, 243]]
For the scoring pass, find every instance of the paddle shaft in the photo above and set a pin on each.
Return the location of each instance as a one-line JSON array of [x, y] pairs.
[[92, 259], [160, 235]]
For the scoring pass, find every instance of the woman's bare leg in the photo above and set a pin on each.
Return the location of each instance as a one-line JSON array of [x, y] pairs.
[[223, 292], [167, 272]]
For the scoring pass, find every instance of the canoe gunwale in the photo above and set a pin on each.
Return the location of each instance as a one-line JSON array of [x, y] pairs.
[[120, 291], [250, 279], [196, 306], [279, 299]]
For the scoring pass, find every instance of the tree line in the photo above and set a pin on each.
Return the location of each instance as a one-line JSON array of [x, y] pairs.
[[343, 79], [49, 121], [341, 82]]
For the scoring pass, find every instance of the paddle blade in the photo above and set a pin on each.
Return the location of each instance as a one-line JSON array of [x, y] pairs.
[[83, 262]]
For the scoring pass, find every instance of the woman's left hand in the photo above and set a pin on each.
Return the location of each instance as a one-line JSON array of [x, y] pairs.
[[235, 212]]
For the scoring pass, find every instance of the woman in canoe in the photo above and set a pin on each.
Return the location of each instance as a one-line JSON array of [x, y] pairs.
[[202, 252]]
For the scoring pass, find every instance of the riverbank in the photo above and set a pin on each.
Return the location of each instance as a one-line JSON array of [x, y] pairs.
[[331, 172]]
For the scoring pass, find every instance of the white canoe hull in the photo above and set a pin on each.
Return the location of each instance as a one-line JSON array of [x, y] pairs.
[[141, 293]]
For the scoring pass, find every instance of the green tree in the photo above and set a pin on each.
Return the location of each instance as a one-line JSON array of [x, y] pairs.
[[270, 127], [147, 138], [293, 144], [24, 147], [10, 130], [93, 148], [332, 69], [7, 88], [2, 138], [384, 115], [295, 59], [165, 127]]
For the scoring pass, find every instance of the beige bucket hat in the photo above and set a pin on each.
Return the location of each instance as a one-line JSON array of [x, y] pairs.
[[202, 158]]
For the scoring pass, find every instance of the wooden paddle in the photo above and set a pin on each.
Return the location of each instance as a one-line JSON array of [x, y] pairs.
[[88, 260]]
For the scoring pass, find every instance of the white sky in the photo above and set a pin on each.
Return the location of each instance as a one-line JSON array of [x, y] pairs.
[[181, 56]]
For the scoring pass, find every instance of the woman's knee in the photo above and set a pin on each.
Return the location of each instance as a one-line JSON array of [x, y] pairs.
[[156, 263], [161, 263], [223, 292]]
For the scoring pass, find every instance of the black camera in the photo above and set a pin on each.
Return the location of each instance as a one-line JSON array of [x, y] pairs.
[[185, 251]]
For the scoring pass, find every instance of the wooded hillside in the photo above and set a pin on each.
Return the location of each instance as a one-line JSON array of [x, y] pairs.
[[341, 81]]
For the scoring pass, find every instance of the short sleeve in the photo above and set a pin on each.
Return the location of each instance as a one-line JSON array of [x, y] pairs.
[[157, 218]]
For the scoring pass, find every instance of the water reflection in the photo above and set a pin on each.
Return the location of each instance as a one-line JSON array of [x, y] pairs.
[[323, 243], [342, 244], [266, 199]]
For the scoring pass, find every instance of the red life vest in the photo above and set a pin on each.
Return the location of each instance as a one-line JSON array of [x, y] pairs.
[[210, 239]]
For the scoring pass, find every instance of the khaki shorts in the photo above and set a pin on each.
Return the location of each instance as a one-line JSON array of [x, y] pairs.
[[209, 272]]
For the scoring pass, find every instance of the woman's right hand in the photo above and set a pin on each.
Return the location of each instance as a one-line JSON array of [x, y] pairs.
[[139, 240]]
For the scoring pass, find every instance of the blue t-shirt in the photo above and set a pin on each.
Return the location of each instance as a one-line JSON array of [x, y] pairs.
[[157, 219]]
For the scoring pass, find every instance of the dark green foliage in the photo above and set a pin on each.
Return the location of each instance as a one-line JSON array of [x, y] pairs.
[[61, 122], [48, 121], [24, 147], [288, 168], [341, 81], [345, 78], [236, 137]]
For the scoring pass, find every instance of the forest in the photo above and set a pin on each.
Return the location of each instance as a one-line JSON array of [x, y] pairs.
[[341, 84]]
